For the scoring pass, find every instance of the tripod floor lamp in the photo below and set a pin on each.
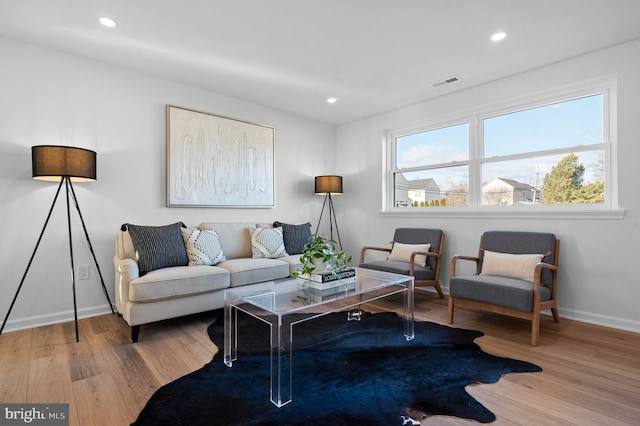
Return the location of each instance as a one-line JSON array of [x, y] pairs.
[[66, 165], [329, 185]]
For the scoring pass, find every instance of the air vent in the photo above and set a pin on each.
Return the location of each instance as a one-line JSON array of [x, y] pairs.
[[448, 80]]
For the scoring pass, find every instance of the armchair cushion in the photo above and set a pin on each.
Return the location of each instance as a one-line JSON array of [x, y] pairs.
[[402, 252], [502, 291], [510, 265], [397, 267]]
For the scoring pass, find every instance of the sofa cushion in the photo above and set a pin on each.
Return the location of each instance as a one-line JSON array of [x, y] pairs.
[[177, 281], [234, 238], [295, 236], [519, 266], [267, 243], [294, 262], [502, 291], [249, 271], [158, 246], [203, 246]]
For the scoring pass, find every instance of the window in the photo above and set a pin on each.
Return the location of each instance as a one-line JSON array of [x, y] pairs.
[[549, 152], [432, 168]]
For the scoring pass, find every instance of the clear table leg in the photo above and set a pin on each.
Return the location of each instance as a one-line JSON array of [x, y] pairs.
[[409, 330], [281, 359], [230, 334]]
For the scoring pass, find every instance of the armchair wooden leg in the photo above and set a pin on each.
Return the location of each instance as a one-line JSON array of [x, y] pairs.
[[556, 316], [535, 330], [439, 290], [450, 319], [135, 332]]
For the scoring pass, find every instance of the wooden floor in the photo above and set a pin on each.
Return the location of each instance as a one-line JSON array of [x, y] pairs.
[[591, 374]]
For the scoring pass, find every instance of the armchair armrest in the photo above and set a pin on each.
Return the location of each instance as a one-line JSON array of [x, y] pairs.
[[538, 271], [544, 265], [425, 253], [420, 253], [365, 248], [456, 257]]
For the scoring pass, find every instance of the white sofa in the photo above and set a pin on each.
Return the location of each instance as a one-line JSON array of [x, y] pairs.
[[174, 291]]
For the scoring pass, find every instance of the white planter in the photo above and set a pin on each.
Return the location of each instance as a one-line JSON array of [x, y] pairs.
[[320, 265]]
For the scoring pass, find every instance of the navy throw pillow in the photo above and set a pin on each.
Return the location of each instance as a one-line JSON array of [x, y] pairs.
[[295, 236]]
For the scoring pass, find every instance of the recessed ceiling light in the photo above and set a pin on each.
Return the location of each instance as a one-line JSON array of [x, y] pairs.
[[332, 100], [498, 36], [107, 22]]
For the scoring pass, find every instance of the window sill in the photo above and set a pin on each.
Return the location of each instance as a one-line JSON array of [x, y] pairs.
[[511, 213]]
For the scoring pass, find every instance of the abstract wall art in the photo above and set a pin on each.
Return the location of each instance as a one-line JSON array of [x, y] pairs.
[[215, 161]]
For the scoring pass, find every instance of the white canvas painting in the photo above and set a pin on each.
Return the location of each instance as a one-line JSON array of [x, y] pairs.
[[215, 161]]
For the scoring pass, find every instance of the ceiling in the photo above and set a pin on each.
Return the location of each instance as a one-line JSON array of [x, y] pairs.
[[291, 55]]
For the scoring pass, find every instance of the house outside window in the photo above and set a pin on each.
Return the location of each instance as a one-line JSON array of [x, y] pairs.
[[504, 192], [542, 154]]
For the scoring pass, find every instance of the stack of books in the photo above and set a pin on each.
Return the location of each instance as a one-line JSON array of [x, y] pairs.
[[311, 294], [329, 280]]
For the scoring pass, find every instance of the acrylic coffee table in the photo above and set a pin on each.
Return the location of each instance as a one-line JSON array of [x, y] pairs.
[[276, 304]]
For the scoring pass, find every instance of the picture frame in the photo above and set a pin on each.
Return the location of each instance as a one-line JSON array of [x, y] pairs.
[[217, 161]]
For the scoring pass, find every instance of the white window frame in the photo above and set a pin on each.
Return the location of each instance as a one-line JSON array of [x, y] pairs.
[[605, 86]]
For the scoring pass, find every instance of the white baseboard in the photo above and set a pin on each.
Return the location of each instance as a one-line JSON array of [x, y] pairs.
[[54, 318], [597, 319], [582, 316], [41, 320]]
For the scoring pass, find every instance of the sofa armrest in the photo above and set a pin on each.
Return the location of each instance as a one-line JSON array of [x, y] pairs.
[[126, 270]]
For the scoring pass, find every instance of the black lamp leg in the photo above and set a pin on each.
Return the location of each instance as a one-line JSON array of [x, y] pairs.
[[46, 222], [322, 211], [333, 221], [93, 254], [67, 182]]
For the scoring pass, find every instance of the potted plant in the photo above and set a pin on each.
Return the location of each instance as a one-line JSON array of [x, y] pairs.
[[321, 255]]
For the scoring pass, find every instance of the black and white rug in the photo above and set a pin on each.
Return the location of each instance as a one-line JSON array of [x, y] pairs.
[[344, 373]]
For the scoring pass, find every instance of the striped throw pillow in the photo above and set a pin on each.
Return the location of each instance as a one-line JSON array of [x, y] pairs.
[[158, 246]]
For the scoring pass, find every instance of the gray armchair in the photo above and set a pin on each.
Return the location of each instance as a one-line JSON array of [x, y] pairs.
[[406, 257], [516, 275]]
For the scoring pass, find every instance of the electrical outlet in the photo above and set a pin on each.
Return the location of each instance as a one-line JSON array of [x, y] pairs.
[[83, 272]]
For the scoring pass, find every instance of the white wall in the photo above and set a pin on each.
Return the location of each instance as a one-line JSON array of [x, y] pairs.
[[598, 281], [48, 97]]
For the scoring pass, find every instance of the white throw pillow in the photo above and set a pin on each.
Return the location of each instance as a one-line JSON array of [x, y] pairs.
[[510, 265], [203, 246], [402, 252], [267, 243]]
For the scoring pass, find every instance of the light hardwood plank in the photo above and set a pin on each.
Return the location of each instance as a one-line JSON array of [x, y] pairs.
[[15, 351]]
